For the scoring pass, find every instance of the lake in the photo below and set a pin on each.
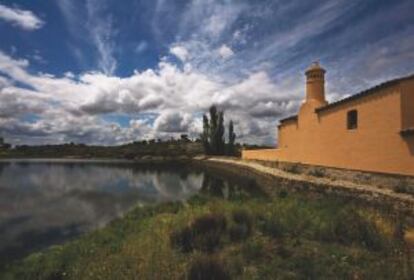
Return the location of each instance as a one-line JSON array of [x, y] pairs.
[[45, 202]]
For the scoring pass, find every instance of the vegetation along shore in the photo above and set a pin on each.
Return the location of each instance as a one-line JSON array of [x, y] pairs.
[[235, 229]]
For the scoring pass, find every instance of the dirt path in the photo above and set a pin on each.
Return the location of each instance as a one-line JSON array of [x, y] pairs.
[[372, 190]]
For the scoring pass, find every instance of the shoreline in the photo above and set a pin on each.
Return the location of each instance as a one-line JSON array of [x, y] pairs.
[[274, 179]]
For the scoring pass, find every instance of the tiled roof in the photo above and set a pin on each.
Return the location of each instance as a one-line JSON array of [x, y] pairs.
[[291, 118], [364, 93], [361, 94]]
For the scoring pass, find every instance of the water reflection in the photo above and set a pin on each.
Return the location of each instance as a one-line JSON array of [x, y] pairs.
[[227, 186], [43, 203]]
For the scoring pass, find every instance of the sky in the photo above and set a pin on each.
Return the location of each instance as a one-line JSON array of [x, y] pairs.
[[110, 72]]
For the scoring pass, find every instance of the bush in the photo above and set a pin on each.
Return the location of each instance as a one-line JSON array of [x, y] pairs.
[[208, 242], [208, 230], [209, 222], [317, 172], [207, 268], [350, 227], [404, 187], [243, 226], [292, 168], [183, 239], [242, 216], [204, 233]]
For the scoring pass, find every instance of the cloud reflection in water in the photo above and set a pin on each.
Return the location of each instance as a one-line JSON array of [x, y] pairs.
[[43, 203]]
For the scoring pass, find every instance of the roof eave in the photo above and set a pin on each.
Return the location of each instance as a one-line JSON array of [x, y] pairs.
[[364, 93]]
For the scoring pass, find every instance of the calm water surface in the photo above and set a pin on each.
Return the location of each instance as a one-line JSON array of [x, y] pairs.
[[44, 202]]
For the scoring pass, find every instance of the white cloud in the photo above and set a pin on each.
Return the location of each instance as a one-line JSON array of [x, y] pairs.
[[22, 18], [210, 17], [173, 122], [88, 23], [256, 85], [180, 52], [69, 75], [225, 52], [73, 107], [102, 32]]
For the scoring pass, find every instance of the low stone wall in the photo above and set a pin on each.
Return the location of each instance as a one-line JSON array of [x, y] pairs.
[[380, 180], [275, 180]]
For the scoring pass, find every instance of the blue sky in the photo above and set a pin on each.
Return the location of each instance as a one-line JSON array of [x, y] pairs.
[[98, 72]]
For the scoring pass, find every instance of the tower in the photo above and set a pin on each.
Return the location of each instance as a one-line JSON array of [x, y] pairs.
[[315, 84]]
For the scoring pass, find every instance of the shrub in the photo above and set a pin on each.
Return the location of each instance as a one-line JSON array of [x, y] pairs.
[[207, 268], [183, 239], [208, 230], [317, 172], [208, 242], [350, 227], [204, 233], [404, 187], [399, 230], [292, 168], [243, 226], [209, 222]]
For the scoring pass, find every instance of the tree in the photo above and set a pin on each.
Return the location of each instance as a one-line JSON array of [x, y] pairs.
[[220, 134], [184, 138], [213, 132], [205, 135], [232, 139]]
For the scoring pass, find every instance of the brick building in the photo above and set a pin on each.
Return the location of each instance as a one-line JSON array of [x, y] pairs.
[[369, 131]]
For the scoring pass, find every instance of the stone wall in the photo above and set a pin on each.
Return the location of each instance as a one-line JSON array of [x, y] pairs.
[[373, 196]]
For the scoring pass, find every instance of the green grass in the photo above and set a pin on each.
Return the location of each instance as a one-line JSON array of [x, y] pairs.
[[287, 237]]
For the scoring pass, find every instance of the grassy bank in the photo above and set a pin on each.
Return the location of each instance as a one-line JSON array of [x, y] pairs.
[[242, 237]]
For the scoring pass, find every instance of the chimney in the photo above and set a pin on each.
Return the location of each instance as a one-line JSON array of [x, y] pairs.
[[315, 83]]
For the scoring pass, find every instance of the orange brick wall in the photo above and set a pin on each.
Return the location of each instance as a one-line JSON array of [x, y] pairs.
[[376, 145], [265, 154], [407, 104]]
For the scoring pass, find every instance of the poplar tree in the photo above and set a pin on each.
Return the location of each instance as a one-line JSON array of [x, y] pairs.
[[213, 139], [232, 139], [220, 134], [213, 132], [205, 135]]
